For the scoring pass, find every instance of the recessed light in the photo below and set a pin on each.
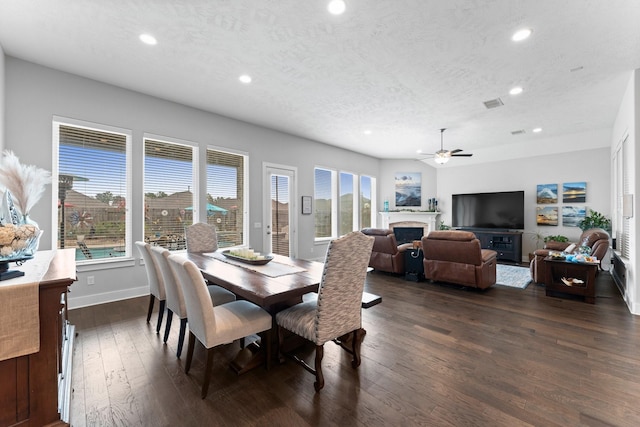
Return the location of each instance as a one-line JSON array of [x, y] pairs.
[[520, 35], [367, 132], [336, 7], [245, 78], [516, 90], [536, 130], [148, 39]]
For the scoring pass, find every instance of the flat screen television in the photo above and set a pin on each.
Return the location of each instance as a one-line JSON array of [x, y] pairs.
[[500, 210]]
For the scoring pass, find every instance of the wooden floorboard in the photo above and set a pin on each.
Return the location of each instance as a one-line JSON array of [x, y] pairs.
[[434, 355]]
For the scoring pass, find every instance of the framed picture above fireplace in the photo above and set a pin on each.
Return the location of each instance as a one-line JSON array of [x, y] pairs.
[[408, 188]]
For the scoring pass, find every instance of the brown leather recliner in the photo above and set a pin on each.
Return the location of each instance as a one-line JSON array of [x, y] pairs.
[[386, 254], [456, 257], [596, 238]]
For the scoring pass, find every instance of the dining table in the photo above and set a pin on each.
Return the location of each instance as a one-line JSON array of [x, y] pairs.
[[274, 286]]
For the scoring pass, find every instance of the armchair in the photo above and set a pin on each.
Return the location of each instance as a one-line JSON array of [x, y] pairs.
[[596, 238], [386, 254], [456, 257]]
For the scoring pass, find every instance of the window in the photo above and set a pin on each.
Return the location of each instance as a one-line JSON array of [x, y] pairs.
[[324, 194], [226, 179], [93, 189], [348, 204], [622, 187], [168, 199], [367, 201]]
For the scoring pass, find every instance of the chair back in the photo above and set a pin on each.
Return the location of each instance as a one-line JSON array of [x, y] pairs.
[[385, 240], [154, 277], [460, 247], [202, 321], [201, 237], [340, 292], [175, 299]]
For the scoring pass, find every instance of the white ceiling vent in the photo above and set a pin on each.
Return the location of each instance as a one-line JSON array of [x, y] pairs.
[[518, 132], [493, 103]]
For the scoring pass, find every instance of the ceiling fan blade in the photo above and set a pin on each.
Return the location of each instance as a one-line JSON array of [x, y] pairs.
[[461, 155], [457, 150]]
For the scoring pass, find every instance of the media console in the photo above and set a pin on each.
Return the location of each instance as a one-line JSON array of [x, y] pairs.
[[508, 244]]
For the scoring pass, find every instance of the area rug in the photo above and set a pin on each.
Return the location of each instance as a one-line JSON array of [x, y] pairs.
[[513, 276]]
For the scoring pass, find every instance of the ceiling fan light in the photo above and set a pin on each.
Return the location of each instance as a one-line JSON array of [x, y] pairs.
[[441, 158]]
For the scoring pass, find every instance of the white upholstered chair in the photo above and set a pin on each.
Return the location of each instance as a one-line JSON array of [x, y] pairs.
[[213, 326], [175, 299], [337, 310], [156, 286], [201, 237]]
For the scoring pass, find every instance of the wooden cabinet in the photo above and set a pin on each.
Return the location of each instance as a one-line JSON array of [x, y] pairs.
[[560, 269], [508, 244], [33, 387]]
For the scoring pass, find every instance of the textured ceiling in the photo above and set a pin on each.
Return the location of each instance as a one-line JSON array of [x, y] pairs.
[[400, 68]]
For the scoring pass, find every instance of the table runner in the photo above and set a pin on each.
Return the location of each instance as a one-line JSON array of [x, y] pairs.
[[271, 269], [19, 317]]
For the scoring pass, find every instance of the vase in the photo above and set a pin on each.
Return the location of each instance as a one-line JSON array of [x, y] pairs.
[[19, 241]]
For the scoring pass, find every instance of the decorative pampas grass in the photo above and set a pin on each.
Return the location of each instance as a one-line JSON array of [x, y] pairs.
[[26, 183]]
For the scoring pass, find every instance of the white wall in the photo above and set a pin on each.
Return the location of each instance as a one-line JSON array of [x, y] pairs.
[[625, 124], [34, 94], [590, 166], [386, 183], [2, 102]]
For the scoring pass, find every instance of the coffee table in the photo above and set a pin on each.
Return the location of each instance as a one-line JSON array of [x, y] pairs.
[[557, 269]]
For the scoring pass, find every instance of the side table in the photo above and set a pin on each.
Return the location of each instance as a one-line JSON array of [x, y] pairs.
[[558, 269], [413, 265]]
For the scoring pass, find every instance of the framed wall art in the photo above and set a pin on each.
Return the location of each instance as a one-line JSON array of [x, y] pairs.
[[574, 192], [572, 215], [306, 205], [408, 188], [547, 215], [547, 194]]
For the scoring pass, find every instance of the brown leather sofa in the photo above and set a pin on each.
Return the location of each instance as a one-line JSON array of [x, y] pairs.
[[456, 257], [596, 238], [386, 254]]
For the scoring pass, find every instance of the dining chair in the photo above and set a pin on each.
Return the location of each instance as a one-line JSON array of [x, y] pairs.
[[175, 298], [336, 313], [201, 237], [156, 286], [219, 324]]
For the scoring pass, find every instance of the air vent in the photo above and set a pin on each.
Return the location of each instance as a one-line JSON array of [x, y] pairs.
[[493, 103], [518, 132]]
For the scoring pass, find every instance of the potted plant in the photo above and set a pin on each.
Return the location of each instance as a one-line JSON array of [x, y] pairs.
[[556, 242], [595, 220], [557, 238], [538, 237]]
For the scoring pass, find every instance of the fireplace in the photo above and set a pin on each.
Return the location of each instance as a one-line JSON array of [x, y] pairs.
[[393, 220], [408, 234]]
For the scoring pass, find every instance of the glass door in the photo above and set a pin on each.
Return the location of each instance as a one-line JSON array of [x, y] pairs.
[[279, 216]]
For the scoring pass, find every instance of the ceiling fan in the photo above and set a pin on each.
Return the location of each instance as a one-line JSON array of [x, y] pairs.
[[442, 156]]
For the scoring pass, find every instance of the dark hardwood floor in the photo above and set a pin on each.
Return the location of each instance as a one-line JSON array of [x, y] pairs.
[[434, 355]]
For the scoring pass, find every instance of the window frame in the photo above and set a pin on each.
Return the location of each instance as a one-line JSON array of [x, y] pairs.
[[195, 165], [57, 122], [245, 185]]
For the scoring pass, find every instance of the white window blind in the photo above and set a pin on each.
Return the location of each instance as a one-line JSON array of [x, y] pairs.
[[92, 191], [169, 201], [226, 196], [625, 241]]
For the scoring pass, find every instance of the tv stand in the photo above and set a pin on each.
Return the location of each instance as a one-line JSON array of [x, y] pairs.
[[508, 244]]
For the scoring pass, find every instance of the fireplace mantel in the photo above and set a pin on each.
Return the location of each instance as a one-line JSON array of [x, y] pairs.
[[400, 218]]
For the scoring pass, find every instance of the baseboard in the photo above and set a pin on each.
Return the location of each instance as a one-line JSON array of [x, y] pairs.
[[95, 299]]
